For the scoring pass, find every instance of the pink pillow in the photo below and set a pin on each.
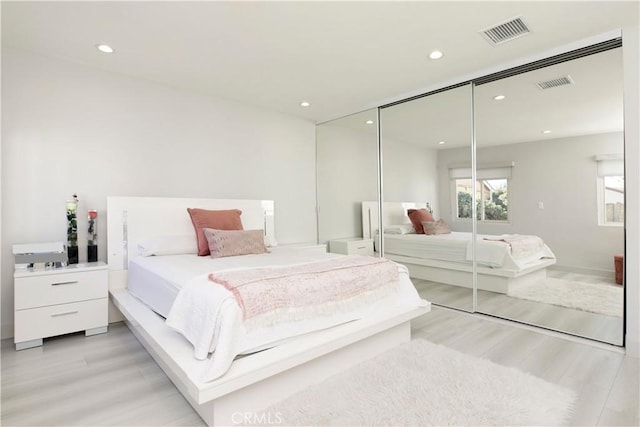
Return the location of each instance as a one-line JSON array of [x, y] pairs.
[[417, 216], [435, 227], [234, 242], [220, 220]]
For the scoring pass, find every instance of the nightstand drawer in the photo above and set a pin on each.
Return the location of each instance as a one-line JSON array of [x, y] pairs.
[[364, 247], [51, 289], [60, 319], [352, 246]]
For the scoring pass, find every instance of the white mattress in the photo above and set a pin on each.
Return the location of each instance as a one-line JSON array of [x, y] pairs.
[[456, 247], [156, 280]]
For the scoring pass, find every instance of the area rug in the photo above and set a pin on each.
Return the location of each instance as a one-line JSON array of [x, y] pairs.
[[424, 384], [595, 298]]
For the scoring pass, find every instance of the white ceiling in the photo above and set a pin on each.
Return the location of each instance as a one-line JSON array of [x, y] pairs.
[[342, 57], [592, 104]]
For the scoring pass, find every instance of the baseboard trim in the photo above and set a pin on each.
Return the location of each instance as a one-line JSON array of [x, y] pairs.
[[582, 270], [7, 331]]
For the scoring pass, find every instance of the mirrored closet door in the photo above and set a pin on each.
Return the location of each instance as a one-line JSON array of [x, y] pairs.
[[550, 183], [347, 183], [424, 143]]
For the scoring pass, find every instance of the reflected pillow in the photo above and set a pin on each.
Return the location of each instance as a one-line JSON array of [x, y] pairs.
[[168, 245], [399, 229], [417, 216], [217, 219], [223, 243], [436, 227]]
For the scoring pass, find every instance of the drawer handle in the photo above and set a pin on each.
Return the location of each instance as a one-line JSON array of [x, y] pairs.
[[65, 313], [362, 247], [64, 283]]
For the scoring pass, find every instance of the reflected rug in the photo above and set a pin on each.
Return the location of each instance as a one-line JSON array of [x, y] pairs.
[[424, 384], [595, 298]]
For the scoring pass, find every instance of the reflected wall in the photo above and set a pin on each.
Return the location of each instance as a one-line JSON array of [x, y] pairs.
[[347, 173], [413, 134]]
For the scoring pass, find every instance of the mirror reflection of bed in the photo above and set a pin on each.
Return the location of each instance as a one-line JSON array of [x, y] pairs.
[[504, 264], [510, 283]]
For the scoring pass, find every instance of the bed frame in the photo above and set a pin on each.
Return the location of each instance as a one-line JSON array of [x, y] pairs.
[[255, 381], [451, 273]]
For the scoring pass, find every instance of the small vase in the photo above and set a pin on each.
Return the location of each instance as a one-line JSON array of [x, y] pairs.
[[72, 230], [92, 236], [72, 254]]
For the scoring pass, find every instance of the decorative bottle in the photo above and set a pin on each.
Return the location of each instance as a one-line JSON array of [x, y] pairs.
[[92, 236], [72, 230]]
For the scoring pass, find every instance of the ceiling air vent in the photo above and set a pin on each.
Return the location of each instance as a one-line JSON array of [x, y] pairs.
[[560, 81], [509, 30]]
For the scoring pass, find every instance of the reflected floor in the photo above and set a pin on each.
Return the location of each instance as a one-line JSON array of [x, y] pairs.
[[582, 323]]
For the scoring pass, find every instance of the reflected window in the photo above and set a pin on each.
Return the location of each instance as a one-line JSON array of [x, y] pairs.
[[610, 190], [613, 197], [492, 199]]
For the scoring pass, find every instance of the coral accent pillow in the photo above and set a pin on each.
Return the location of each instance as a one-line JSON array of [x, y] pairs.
[[417, 217], [220, 220], [436, 227], [224, 243]]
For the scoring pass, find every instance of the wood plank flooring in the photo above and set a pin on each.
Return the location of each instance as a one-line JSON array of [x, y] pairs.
[[110, 379], [576, 322], [74, 380], [606, 380]]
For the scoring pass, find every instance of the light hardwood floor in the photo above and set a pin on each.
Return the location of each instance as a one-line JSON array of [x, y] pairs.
[[110, 379], [576, 322]]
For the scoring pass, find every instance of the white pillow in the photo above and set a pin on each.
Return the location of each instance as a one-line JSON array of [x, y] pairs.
[[399, 229], [168, 245]]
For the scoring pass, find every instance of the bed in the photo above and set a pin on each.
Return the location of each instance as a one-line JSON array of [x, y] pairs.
[[448, 258], [271, 367]]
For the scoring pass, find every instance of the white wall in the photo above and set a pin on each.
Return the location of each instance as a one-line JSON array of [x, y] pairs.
[[410, 174], [347, 175], [67, 128], [562, 174]]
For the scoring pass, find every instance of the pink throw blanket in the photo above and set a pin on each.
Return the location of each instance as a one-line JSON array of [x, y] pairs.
[[307, 290], [522, 246]]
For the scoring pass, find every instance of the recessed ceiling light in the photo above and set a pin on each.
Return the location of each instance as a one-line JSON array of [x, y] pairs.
[[436, 54], [499, 97], [369, 122], [304, 104], [441, 143], [105, 48], [546, 131]]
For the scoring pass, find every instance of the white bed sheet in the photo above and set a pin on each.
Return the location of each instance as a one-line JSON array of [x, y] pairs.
[[456, 247], [158, 280]]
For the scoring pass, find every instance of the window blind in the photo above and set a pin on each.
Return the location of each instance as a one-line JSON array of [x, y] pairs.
[[610, 165], [488, 171]]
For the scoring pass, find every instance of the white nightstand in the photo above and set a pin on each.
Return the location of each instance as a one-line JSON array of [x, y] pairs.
[[56, 301], [351, 246]]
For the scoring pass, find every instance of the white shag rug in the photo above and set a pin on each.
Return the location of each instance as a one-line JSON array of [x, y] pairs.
[[595, 298], [423, 384]]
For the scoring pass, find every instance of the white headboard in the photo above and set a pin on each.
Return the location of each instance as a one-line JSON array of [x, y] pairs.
[[393, 213], [131, 219]]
